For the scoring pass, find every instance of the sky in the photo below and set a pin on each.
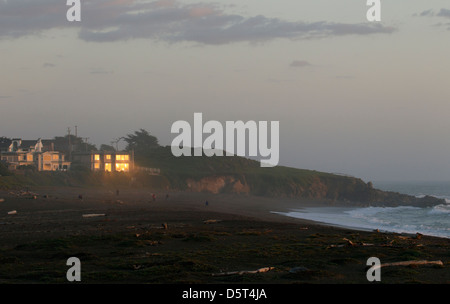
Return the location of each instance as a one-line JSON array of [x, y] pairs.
[[367, 99]]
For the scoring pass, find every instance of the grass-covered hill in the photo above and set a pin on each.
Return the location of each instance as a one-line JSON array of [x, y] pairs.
[[219, 175], [241, 175]]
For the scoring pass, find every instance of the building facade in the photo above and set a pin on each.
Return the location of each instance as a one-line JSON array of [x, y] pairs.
[[51, 161], [18, 153], [108, 161]]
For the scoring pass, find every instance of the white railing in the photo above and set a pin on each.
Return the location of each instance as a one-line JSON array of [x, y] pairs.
[[152, 171]]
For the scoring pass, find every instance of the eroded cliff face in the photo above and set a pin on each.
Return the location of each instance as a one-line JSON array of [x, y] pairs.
[[317, 189], [229, 184], [218, 184], [351, 190]]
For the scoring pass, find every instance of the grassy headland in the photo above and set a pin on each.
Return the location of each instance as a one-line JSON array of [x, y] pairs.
[[222, 175]]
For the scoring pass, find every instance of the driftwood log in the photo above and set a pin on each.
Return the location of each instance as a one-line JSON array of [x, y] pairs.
[[410, 263], [93, 215], [390, 244], [260, 270], [350, 244]]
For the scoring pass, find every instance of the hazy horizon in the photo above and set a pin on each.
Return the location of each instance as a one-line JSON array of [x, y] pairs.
[[352, 97]]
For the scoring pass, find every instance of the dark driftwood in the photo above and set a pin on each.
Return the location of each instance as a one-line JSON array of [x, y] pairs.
[[350, 244], [260, 270], [411, 263], [390, 244]]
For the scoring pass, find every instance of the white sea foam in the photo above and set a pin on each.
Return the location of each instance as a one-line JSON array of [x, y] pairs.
[[405, 219], [440, 209], [427, 220]]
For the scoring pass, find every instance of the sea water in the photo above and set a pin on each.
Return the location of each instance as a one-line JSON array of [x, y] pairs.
[[433, 221]]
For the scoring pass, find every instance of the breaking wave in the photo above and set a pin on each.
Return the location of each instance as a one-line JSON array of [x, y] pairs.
[[433, 221]]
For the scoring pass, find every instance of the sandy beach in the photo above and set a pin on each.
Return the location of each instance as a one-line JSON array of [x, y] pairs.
[[129, 237]]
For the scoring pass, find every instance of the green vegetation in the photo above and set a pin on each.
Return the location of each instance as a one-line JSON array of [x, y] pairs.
[[141, 142], [81, 178], [278, 181], [4, 170], [72, 142], [226, 174]]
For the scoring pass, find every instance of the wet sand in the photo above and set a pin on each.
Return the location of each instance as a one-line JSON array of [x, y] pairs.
[[182, 239]]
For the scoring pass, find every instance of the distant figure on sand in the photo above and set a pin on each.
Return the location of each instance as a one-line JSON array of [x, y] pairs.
[[154, 197], [80, 196], [206, 203], [117, 192]]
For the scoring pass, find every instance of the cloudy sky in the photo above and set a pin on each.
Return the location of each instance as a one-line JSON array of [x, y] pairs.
[[366, 99]]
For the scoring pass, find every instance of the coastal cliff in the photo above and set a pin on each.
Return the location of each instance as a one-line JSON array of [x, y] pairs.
[[351, 191], [224, 175], [244, 176]]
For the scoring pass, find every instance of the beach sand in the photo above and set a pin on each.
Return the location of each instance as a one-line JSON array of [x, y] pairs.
[[131, 238]]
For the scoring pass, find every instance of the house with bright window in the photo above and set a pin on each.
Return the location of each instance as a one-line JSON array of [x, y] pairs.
[[17, 159], [18, 153], [107, 161], [51, 161]]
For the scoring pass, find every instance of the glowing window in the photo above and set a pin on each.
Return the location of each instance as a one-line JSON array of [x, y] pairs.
[[122, 167], [30, 158], [122, 157], [108, 167], [47, 157], [55, 157], [108, 156], [97, 157], [96, 166]]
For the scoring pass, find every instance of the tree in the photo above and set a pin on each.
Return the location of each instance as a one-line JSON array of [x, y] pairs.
[[77, 144], [141, 142], [5, 140], [107, 148]]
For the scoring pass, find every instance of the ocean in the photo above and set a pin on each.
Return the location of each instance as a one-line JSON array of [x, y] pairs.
[[433, 221]]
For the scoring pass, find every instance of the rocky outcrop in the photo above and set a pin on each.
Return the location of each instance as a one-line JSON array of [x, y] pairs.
[[241, 175], [317, 189], [218, 184], [239, 187], [331, 188]]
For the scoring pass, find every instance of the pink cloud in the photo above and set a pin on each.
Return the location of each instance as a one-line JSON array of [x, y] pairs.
[[201, 12]]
